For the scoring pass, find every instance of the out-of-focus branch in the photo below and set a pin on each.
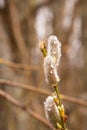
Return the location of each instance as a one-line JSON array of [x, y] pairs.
[[15, 102], [26, 87], [16, 30], [42, 91], [44, 3], [18, 66], [74, 100]]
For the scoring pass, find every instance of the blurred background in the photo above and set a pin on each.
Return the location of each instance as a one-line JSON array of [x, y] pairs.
[[23, 23]]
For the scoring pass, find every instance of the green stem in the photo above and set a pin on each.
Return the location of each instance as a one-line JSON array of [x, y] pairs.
[[57, 93], [58, 96], [44, 52]]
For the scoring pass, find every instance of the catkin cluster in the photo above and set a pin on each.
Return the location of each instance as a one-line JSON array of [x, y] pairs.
[[54, 109]]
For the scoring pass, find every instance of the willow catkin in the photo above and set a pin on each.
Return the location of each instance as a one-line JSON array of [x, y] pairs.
[[51, 111], [51, 61], [54, 49], [50, 71]]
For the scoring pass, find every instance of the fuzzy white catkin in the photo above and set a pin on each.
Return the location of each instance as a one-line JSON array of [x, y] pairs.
[[54, 49], [51, 61], [50, 71], [51, 111]]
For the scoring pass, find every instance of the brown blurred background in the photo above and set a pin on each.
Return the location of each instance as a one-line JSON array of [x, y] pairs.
[[23, 23]]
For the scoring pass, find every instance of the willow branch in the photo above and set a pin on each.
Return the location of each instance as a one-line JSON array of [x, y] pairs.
[[15, 102], [43, 92], [17, 66]]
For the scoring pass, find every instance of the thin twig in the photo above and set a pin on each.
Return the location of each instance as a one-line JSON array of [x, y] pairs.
[[42, 91], [74, 100], [42, 4], [23, 86], [15, 102], [18, 66], [16, 30]]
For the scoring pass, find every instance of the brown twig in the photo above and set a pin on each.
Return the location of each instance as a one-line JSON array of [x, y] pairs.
[[42, 91], [74, 100], [26, 87], [15, 102], [16, 30], [18, 66], [42, 4]]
